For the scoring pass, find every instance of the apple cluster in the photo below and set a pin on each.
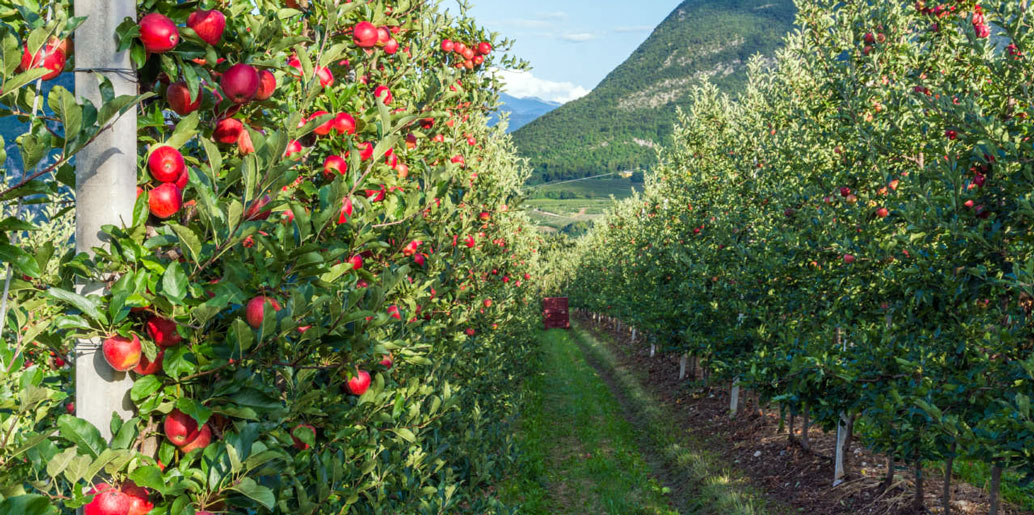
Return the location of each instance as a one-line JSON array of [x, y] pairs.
[[464, 56]]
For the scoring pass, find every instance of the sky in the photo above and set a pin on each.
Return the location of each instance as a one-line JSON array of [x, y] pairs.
[[571, 44]]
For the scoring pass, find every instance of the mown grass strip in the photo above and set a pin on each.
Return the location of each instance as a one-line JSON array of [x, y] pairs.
[[706, 483], [580, 454]]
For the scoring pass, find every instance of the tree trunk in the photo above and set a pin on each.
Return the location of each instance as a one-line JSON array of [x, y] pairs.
[[996, 484], [790, 436], [888, 480], [946, 493], [805, 426], [917, 501]]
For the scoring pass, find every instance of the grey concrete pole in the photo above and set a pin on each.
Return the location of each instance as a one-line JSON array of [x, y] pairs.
[[105, 192]]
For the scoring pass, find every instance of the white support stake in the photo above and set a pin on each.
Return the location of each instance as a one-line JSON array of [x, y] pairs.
[[653, 350], [682, 366], [633, 335], [734, 397], [838, 467], [105, 192]]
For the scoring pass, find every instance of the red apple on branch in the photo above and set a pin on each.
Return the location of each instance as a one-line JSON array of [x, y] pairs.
[[209, 25], [180, 428], [165, 200], [122, 353], [255, 310], [358, 384], [158, 33], [166, 164]]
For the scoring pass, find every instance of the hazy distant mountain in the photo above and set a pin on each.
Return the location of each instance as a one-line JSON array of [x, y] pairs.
[[523, 110], [617, 125]]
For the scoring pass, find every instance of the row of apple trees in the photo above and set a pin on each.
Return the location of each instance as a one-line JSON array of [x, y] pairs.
[[851, 236], [320, 295]]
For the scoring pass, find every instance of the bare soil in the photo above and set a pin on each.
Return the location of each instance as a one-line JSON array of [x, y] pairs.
[[790, 475]]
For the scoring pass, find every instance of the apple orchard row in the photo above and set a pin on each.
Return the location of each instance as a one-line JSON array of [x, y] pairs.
[[850, 237], [321, 295]]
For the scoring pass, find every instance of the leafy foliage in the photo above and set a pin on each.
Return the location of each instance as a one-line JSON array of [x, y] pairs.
[[850, 235], [260, 222]]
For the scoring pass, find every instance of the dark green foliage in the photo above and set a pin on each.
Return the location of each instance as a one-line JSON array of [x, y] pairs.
[[638, 100]]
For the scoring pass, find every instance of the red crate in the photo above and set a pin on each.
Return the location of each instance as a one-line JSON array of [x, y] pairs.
[[554, 313]]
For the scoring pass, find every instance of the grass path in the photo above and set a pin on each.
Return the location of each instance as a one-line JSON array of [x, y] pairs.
[[581, 453], [594, 441]]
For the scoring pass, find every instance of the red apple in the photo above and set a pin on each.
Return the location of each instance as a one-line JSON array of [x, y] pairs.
[[163, 332], [138, 498], [365, 150], [848, 258], [346, 210], [204, 437], [166, 164], [267, 85], [108, 500], [484, 48], [344, 123], [298, 444], [325, 76], [383, 94], [179, 99], [391, 47], [255, 211], [209, 25], [448, 46], [165, 200], [882, 212], [335, 165], [387, 361], [49, 57], [180, 428], [845, 191], [254, 311], [147, 367], [240, 83], [364, 34], [122, 353], [360, 383], [488, 303], [184, 178], [228, 130], [356, 262], [158, 33], [324, 128], [294, 147]]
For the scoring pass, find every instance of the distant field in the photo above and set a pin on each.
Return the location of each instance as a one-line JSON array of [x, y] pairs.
[[584, 202]]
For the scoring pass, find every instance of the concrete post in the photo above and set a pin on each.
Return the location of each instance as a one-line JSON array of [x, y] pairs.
[[734, 397], [105, 192]]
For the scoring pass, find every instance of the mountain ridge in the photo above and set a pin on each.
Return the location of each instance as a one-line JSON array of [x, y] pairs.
[[617, 126], [522, 110]]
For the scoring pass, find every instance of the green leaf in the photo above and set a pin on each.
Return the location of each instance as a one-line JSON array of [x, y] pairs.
[[82, 433], [60, 462], [149, 476], [185, 130], [194, 409], [30, 504], [63, 103], [88, 306], [188, 240], [174, 282], [21, 260], [144, 387], [256, 492], [178, 362]]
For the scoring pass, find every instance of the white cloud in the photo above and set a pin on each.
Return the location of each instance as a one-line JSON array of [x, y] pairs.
[[577, 37], [523, 84], [634, 28], [556, 15]]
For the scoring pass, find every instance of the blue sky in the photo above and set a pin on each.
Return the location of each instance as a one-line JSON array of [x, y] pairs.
[[571, 44]]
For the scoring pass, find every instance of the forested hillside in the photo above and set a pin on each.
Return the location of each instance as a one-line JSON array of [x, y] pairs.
[[617, 126]]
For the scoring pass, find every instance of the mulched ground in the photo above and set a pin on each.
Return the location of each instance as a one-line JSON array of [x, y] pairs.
[[789, 474]]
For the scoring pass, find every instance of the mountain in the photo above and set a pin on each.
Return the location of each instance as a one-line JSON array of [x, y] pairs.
[[617, 126], [522, 110]]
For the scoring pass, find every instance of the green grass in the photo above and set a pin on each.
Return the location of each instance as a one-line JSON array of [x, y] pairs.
[[580, 453], [978, 474], [712, 485]]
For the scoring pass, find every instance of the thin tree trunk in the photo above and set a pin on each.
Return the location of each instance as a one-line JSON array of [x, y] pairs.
[[917, 501], [946, 493], [996, 484], [805, 426], [888, 480], [790, 436]]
